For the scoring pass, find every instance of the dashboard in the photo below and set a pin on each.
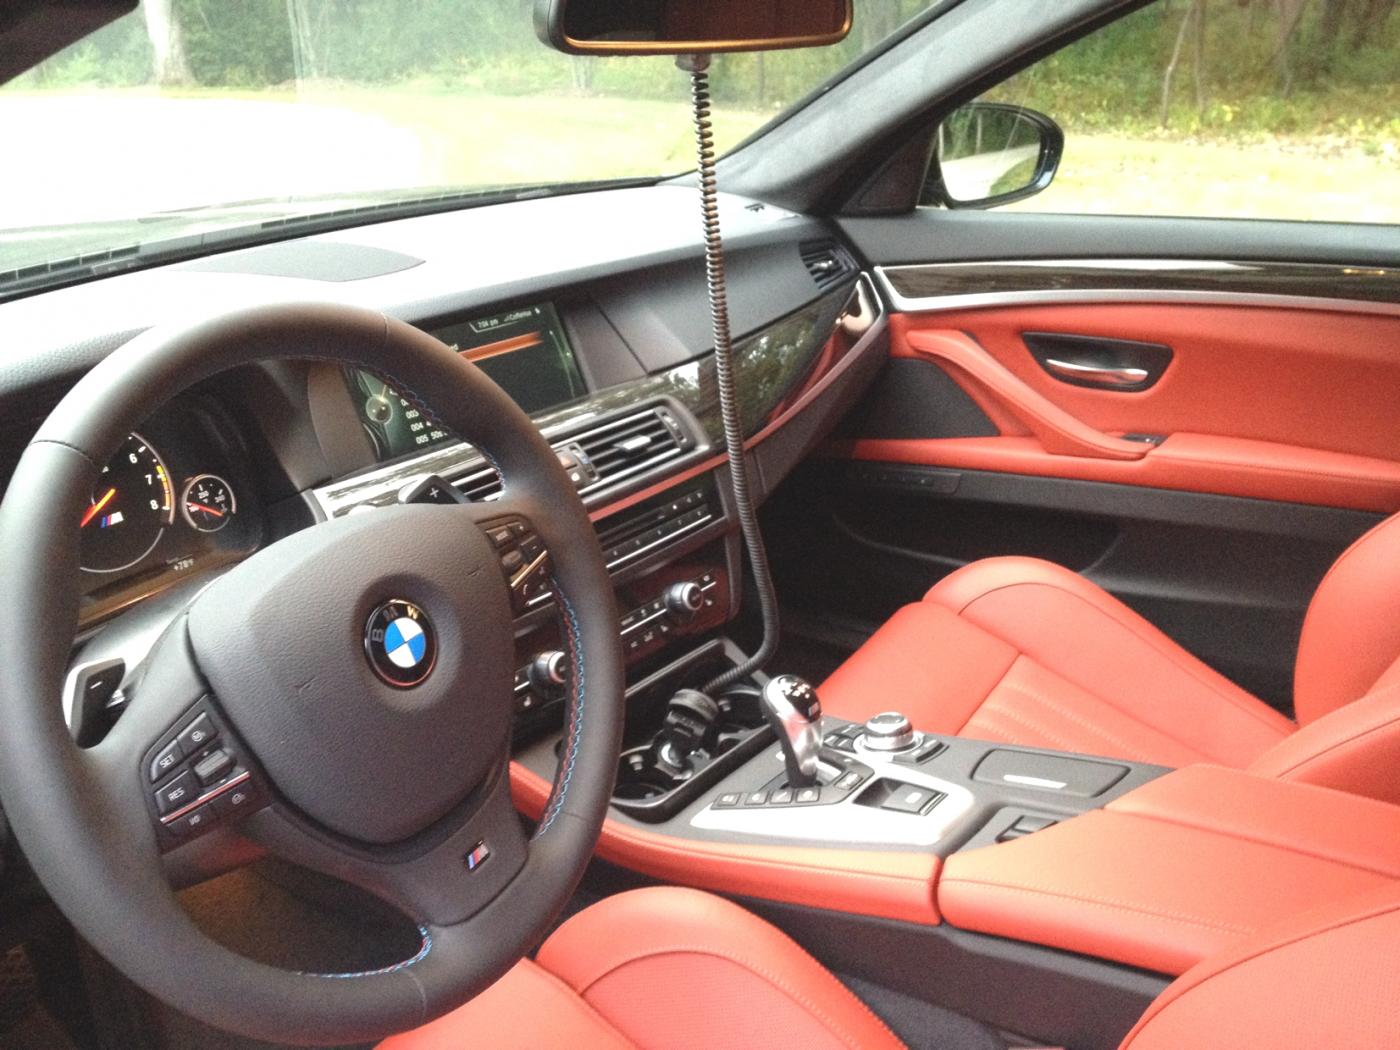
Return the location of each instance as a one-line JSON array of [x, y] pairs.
[[590, 310]]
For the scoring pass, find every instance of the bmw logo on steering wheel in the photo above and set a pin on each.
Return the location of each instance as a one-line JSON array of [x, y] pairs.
[[400, 643]]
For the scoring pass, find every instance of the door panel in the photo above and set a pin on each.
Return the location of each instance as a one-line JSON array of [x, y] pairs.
[[1275, 438], [1290, 405], [1308, 378]]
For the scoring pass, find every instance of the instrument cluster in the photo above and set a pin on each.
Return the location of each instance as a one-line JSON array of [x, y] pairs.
[[173, 500]]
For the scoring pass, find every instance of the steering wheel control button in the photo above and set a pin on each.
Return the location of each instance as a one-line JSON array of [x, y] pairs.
[[195, 821], [523, 557], [214, 766], [166, 762], [235, 800], [400, 643], [197, 734], [177, 794]]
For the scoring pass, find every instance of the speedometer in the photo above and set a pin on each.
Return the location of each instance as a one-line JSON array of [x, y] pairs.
[[130, 508]]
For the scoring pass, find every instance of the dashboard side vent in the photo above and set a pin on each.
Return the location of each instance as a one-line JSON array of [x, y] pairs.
[[827, 262], [632, 444]]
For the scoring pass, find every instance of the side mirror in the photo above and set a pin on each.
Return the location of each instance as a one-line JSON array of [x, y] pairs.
[[688, 27], [988, 153]]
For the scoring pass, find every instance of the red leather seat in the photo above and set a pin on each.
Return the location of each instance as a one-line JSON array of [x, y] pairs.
[[673, 968], [1023, 651], [664, 967]]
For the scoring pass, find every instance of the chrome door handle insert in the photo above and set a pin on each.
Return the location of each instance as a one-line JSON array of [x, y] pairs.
[[1107, 376]]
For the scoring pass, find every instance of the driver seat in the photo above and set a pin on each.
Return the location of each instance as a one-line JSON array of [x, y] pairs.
[[676, 969]]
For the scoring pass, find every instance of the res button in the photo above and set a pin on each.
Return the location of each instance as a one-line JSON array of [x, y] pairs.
[[180, 792]]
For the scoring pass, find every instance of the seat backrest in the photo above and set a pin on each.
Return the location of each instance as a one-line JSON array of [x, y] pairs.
[[1351, 635], [1326, 979]]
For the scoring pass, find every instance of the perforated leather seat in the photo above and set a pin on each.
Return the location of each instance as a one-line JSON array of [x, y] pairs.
[[675, 969], [1023, 651]]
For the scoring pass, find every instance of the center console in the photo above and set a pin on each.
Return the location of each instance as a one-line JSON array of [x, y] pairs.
[[1142, 869]]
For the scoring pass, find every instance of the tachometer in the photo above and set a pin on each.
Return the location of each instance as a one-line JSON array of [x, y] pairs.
[[131, 506], [208, 503]]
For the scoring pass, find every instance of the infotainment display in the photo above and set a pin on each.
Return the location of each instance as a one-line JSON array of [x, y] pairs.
[[525, 350]]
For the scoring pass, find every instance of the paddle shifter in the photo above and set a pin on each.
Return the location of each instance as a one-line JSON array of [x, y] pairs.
[[791, 706]]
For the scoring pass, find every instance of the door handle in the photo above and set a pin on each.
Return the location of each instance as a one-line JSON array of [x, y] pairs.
[[1099, 363], [1057, 431], [1099, 375]]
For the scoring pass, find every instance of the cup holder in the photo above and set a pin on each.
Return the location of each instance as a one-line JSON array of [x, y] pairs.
[[638, 779], [650, 790]]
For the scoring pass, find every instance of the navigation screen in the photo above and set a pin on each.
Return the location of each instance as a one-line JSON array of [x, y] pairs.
[[524, 350]]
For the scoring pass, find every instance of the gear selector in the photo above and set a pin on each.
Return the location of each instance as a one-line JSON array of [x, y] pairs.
[[791, 706]]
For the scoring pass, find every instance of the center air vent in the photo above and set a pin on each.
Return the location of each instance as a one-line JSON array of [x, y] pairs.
[[615, 450], [481, 485], [633, 444], [827, 262]]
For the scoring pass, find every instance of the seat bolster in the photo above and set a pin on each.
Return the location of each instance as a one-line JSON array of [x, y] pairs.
[[1323, 978], [1351, 634], [677, 968], [924, 661], [1355, 748]]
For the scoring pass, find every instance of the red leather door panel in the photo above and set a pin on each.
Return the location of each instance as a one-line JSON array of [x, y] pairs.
[[1285, 404]]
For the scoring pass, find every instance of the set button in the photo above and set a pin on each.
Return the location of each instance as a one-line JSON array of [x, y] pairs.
[[167, 760]]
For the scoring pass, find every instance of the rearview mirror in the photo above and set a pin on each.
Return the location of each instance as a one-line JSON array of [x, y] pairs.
[[987, 153], [684, 27]]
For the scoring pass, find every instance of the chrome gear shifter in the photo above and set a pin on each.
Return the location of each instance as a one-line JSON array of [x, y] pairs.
[[791, 706]]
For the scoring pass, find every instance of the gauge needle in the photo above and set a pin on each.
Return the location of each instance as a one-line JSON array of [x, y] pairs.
[[207, 509], [92, 511]]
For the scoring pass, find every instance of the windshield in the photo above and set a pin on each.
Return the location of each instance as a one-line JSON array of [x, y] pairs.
[[151, 128]]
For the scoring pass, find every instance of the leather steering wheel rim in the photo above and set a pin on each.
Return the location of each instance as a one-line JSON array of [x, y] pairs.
[[75, 812]]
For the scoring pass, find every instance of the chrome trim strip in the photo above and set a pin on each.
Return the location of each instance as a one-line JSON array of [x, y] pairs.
[[1034, 782], [977, 300]]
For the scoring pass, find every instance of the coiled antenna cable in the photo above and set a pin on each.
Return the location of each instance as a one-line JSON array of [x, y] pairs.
[[698, 68]]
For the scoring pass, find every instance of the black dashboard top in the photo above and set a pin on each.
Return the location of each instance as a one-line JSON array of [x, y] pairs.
[[636, 251]]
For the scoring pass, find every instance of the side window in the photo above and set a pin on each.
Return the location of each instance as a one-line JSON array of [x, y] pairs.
[[1271, 109]]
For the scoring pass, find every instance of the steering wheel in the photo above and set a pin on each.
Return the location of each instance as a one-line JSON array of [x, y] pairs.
[[359, 672]]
